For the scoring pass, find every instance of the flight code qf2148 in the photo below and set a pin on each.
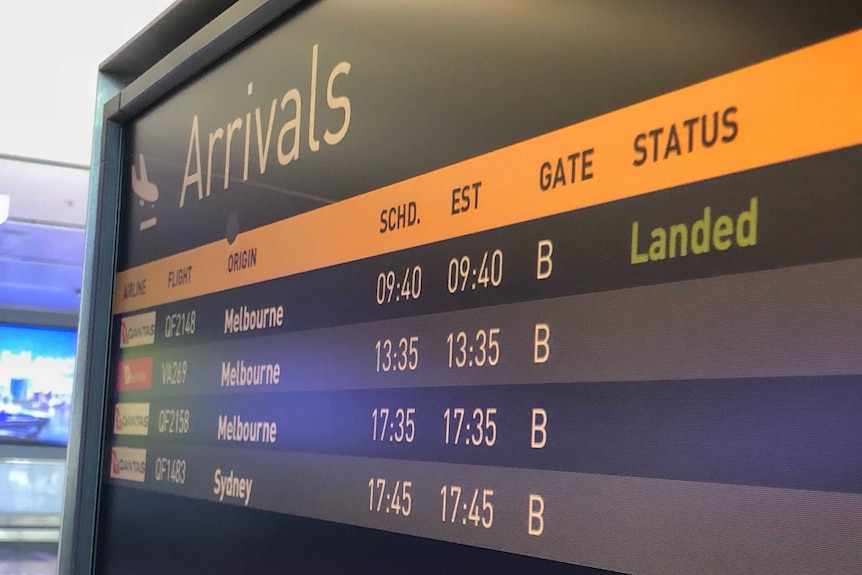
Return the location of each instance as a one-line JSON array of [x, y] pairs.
[[180, 324]]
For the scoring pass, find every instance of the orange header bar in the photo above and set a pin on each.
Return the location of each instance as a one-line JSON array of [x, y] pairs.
[[803, 103]]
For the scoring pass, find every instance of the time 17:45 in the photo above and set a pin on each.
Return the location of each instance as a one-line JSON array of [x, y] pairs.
[[461, 506], [383, 497]]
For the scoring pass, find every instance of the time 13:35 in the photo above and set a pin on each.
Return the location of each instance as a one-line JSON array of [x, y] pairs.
[[474, 350], [401, 354]]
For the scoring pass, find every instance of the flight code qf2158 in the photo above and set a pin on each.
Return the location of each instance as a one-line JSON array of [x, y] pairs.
[[174, 421]]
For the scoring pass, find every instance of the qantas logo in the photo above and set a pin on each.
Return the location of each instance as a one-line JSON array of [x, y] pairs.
[[138, 330], [132, 419], [129, 463]]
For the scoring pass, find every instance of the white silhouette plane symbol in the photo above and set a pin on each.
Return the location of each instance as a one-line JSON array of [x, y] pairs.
[[146, 191]]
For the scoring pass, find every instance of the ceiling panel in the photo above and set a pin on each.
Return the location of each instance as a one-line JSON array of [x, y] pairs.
[[37, 285], [41, 276], [42, 243], [39, 300], [45, 192]]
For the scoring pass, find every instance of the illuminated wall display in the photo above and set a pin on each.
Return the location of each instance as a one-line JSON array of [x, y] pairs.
[[36, 368], [555, 290]]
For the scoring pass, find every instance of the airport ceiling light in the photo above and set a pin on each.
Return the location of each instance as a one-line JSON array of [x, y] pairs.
[[4, 208]]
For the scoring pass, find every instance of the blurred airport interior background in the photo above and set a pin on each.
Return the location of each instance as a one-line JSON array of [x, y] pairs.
[[51, 53]]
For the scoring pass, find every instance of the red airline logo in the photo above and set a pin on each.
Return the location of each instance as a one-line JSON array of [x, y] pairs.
[[129, 463], [135, 374], [115, 463]]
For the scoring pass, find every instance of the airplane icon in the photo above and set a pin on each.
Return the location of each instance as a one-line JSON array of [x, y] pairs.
[[146, 191]]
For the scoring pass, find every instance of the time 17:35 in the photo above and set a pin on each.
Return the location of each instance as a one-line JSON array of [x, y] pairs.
[[395, 425]]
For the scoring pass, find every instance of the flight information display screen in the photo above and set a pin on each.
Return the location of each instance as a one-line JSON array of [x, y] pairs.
[[496, 287]]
